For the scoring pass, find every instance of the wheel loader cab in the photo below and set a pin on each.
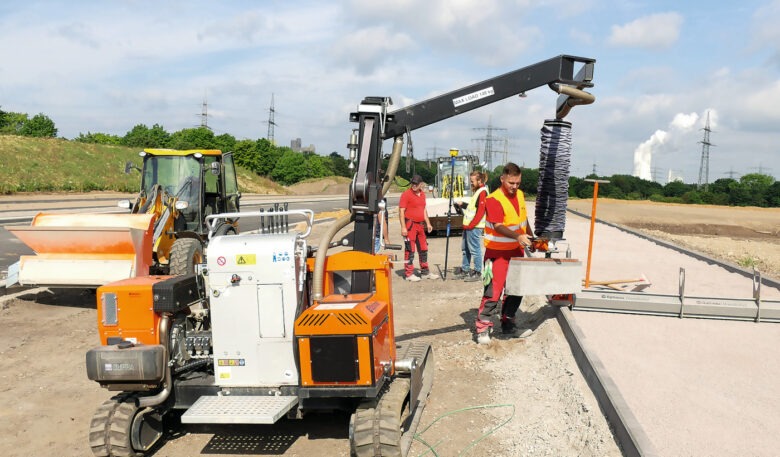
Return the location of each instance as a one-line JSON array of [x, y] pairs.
[[204, 181]]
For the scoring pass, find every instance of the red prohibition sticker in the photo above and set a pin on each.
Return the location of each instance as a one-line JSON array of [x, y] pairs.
[[221, 261]]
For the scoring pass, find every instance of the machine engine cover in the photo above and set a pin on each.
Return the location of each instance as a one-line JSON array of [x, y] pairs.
[[175, 294], [135, 364]]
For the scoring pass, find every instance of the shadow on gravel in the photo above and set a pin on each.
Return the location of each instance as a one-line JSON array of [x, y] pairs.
[[73, 298], [276, 439]]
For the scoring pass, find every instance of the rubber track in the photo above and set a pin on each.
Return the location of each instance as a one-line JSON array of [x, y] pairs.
[[377, 423], [109, 430]]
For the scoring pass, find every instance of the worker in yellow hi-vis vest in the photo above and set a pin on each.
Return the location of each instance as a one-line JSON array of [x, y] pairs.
[[473, 227], [507, 234]]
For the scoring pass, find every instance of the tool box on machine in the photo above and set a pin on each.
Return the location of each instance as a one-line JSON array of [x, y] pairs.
[[175, 294]]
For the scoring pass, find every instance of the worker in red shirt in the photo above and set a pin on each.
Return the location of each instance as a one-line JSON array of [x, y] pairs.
[[507, 233], [413, 214], [473, 227]]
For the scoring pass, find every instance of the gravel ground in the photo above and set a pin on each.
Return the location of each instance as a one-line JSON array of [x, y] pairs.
[[526, 395]]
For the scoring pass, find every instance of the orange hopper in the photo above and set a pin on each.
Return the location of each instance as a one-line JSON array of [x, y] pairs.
[[85, 250]]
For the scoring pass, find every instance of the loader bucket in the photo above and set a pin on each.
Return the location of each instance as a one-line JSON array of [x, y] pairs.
[[85, 250]]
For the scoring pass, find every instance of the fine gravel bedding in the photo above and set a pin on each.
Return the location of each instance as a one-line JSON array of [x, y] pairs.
[[514, 397]]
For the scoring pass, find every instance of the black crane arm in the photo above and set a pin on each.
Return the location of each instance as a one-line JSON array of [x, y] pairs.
[[558, 70], [375, 123]]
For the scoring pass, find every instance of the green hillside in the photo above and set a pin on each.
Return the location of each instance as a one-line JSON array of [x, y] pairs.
[[58, 165]]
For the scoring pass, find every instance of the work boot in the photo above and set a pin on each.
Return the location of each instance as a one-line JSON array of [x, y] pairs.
[[511, 330], [426, 274], [413, 278], [473, 276], [483, 337]]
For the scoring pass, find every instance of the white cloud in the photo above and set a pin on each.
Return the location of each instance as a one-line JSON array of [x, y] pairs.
[[657, 31]]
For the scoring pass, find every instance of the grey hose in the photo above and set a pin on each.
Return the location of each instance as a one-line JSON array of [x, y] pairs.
[[576, 97], [322, 251]]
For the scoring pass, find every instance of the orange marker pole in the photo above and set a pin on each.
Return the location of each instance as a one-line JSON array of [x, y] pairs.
[[592, 224]]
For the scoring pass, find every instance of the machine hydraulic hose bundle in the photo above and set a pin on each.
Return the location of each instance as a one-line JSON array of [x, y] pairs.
[[553, 188]]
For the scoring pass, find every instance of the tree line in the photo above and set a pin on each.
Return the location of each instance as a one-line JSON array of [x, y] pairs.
[[285, 166]]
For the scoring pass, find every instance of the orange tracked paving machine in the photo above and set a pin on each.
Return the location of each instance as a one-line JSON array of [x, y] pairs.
[[271, 327]]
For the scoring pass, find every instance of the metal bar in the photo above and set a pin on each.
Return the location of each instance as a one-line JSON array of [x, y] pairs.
[[673, 306]]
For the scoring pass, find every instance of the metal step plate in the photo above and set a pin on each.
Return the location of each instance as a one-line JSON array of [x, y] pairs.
[[235, 409]]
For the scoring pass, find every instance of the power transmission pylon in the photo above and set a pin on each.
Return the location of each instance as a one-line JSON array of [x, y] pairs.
[[704, 168], [271, 122], [731, 173], [489, 139], [762, 170], [204, 113], [435, 150]]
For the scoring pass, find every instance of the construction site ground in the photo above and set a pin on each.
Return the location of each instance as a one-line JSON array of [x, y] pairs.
[[696, 387]]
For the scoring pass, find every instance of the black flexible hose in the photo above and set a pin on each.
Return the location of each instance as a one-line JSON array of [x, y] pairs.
[[192, 365], [553, 189]]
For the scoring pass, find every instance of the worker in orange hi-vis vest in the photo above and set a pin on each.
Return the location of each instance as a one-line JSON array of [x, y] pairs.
[[414, 223], [507, 233]]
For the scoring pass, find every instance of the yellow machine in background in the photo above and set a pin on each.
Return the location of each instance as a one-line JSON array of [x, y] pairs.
[[164, 233]]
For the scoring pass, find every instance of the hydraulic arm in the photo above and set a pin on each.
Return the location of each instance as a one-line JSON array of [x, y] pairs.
[[375, 123]]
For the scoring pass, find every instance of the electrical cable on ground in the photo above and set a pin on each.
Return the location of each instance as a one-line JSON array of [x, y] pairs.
[[432, 449], [553, 188]]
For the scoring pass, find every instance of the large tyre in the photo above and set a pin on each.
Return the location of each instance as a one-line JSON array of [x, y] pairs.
[[225, 229], [185, 254], [110, 429]]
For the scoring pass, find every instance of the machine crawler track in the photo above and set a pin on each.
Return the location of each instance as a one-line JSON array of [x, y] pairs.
[[378, 425], [384, 426], [110, 429]]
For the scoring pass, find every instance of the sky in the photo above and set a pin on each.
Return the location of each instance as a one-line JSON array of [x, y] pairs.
[[662, 69]]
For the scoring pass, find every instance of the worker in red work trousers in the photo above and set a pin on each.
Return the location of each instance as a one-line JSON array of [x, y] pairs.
[[412, 214], [473, 228], [507, 233]]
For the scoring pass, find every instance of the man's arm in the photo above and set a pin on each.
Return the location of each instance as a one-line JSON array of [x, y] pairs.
[[521, 238], [402, 218], [427, 221]]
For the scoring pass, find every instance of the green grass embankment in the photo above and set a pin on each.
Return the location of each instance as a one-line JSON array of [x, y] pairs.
[[59, 165]]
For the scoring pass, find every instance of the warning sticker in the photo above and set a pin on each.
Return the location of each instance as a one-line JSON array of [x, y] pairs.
[[246, 259], [231, 362]]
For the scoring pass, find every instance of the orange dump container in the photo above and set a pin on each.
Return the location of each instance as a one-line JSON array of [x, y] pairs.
[[85, 250]]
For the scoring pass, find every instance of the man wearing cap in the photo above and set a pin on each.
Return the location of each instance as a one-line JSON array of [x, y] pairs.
[[412, 214]]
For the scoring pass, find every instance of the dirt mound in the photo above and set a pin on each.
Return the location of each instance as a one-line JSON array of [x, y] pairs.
[[334, 185]]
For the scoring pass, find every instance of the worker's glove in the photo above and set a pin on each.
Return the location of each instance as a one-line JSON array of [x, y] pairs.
[[487, 272]]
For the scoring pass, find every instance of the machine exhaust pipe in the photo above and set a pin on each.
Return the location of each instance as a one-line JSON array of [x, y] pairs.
[[161, 396]]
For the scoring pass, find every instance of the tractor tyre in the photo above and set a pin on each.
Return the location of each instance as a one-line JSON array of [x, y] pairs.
[[225, 229], [111, 428], [185, 254]]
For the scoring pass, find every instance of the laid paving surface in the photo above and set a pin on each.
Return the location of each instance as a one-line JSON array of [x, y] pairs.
[[697, 387]]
